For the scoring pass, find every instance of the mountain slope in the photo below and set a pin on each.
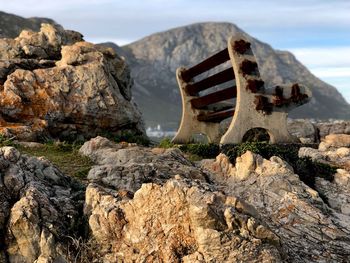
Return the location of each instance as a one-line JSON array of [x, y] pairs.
[[154, 60], [11, 25]]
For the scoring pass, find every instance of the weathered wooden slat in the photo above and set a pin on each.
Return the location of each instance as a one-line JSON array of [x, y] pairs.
[[221, 95], [216, 79], [216, 116], [205, 65]]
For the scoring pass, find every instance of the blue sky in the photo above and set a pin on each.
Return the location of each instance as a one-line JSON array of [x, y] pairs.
[[316, 31]]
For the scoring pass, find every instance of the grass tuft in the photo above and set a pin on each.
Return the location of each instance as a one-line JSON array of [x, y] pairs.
[[65, 156]]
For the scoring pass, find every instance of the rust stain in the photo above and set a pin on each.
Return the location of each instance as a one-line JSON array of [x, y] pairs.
[[248, 67], [254, 85], [241, 46], [262, 104]]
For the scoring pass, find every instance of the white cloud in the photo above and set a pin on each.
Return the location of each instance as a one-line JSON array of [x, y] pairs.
[[331, 64], [118, 41], [336, 72], [323, 57]]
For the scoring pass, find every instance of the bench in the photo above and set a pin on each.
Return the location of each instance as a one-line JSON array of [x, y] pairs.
[[238, 92]]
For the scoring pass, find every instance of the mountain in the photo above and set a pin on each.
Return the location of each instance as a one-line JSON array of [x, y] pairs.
[[11, 25], [154, 60]]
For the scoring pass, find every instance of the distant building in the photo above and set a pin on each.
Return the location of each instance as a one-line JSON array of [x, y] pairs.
[[158, 132]]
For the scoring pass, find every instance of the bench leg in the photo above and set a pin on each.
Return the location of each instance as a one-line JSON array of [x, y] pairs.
[[275, 125], [190, 127]]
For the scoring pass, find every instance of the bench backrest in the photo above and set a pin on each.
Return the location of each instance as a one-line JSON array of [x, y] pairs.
[[255, 107]]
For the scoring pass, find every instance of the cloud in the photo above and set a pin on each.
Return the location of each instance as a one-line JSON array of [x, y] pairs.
[[323, 56], [331, 64]]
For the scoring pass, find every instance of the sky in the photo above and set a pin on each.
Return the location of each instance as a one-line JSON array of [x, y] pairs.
[[317, 32]]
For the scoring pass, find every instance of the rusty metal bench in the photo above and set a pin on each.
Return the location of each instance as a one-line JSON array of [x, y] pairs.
[[252, 106]]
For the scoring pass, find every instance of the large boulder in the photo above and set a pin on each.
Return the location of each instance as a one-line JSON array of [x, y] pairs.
[[309, 229], [153, 205], [40, 209], [53, 84], [148, 205]]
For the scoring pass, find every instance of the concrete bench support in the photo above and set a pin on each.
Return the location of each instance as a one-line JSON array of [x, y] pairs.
[[254, 107]]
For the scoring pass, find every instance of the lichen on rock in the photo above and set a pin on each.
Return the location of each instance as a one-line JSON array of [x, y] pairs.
[[55, 85]]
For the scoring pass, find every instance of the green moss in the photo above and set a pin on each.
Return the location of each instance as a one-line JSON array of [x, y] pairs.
[[166, 143], [65, 156], [4, 141], [202, 150], [129, 137]]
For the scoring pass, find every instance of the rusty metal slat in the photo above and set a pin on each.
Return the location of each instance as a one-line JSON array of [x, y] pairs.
[[216, 116], [216, 79], [205, 65], [214, 97]]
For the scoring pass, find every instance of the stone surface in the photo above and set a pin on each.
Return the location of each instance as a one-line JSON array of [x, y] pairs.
[[337, 140], [304, 129], [333, 127], [53, 84], [39, 209], [334, 150], [153, 205], [156, 206], [309, 230]]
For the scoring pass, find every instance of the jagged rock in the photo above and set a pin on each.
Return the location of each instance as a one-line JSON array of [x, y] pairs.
[[309, 230], [304, 129], [334, 150], [181, 221], [39, 207], [12, 25], [333, 127], [153, 205], [55, 85], [128, 168]]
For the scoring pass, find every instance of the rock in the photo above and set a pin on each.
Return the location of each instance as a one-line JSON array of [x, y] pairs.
[[222, 168], [128, 168], [307, 229], [40, 209], [333, 127], [55, 85], [304, 129], [333, 150], [152, 205], [312, 153], [176, 222], [30, 144], [337, 140]]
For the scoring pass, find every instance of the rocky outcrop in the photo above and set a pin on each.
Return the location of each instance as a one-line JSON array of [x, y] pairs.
[[333, 127], [308, 229], [40, 209], [153, 205], [311, 131], [304, 130], [334, 150], [53, 84]]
